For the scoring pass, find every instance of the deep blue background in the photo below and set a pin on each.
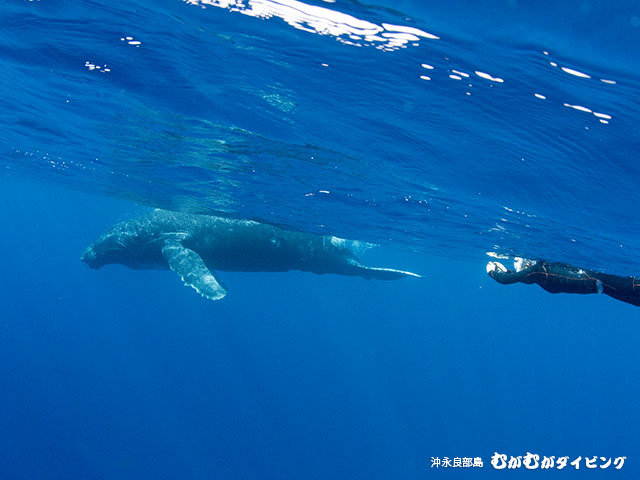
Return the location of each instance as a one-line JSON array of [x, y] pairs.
[[127, 374]]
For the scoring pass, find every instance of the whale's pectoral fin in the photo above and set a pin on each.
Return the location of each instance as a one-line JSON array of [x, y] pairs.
[[194, 273]]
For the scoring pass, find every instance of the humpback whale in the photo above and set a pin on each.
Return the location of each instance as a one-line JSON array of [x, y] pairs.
[[196, 246]]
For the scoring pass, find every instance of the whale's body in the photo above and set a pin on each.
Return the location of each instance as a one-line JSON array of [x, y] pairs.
[[195, 246]]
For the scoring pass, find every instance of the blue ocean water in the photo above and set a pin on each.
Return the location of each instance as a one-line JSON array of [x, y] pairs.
[[440, 132]]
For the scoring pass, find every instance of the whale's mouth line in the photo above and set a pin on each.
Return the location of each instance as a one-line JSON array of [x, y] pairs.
[[90, 258]]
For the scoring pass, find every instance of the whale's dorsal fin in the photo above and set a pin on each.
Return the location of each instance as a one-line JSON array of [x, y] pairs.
[[191, 268]]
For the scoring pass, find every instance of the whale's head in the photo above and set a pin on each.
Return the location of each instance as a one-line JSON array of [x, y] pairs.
[[91, 258], [124, 245], [112, 247]]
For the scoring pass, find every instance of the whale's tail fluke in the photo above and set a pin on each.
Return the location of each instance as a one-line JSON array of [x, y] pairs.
[[380, 273], [389, 273]]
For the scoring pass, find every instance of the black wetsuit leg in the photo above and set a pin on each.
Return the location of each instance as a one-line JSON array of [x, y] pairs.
[[625, 289]]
